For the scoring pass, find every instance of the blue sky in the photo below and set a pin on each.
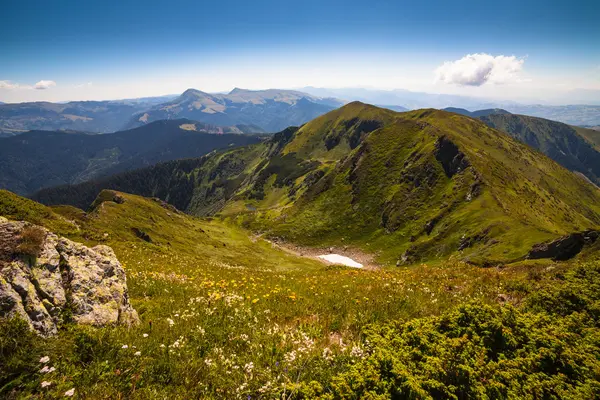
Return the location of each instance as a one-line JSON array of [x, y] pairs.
[[100, 49]]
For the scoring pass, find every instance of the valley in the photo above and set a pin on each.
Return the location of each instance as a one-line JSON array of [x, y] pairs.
[[38, 159], [300, 269]]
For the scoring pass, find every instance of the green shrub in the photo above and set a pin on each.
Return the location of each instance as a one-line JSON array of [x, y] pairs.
[[477, 352]]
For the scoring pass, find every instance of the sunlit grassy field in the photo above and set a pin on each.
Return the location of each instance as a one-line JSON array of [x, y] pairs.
[[225, 315]]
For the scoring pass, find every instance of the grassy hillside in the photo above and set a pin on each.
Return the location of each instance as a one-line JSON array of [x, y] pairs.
[[38, 159], [432, 183], [591, 135], [21, 209], [421, 185], [574, 148], [225, 315]]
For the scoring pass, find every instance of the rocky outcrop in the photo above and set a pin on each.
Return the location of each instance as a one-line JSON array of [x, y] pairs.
[[565, 247], [141, 234], [56, 280], [452, 159]]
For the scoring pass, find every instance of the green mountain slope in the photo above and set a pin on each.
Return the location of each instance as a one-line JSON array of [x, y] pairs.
[[592, 135], [409, 186], [563, 143], [37, 159]]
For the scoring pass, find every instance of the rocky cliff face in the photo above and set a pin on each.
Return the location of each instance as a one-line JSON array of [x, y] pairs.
[[48, 280]]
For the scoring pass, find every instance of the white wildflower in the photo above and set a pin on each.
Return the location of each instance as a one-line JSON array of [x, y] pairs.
[[145, 335], [137, 353], [46, 384], [125, 346], [357, 352], [70, 392], [44, 359], [170, 321], [249, 367], [290, 357]]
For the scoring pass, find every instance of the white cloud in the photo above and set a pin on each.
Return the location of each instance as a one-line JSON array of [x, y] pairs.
[[478, 69], [43, 85], [8, 85]]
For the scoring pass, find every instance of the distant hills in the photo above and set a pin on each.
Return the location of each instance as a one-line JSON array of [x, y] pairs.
[[570, 114], [86, 116], [394, 108], [268, 110], [410, 186], [477, 113], [272, 110], [38, 159]]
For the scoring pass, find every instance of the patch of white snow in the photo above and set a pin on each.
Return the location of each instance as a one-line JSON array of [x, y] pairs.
[[338, 259]]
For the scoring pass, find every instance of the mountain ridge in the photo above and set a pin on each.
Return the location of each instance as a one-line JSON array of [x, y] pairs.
[[406, 186], [575, 148]]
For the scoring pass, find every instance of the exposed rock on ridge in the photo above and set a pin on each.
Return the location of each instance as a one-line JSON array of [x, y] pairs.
[[452, 159], [57, 280], [565, 247]]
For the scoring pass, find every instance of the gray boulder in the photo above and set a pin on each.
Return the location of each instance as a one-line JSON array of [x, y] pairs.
[[54, 279]]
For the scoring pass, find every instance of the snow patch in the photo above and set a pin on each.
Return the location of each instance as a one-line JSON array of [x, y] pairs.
[[338, 259]]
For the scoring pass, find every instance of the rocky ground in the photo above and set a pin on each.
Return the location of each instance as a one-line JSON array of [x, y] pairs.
[[48, 280]]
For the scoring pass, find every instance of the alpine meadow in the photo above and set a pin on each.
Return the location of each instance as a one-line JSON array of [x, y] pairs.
[[326, 200]]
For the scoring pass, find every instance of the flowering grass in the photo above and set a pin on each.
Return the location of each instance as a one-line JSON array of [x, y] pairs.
[[227, 316]]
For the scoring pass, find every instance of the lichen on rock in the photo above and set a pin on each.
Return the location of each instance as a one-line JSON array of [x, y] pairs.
[[65, 280]]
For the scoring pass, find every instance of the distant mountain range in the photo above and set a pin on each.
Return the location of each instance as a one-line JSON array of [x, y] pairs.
[[268, 110], [570, 114], [477, 113], [38, 159], [87, 116], [272, 110], [394, 108]]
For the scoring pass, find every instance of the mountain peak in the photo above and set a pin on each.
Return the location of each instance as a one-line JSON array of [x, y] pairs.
[[193, 93]]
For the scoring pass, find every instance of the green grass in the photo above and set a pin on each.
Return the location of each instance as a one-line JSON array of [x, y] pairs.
[[251, 320], [572, 147], [19, 208]]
